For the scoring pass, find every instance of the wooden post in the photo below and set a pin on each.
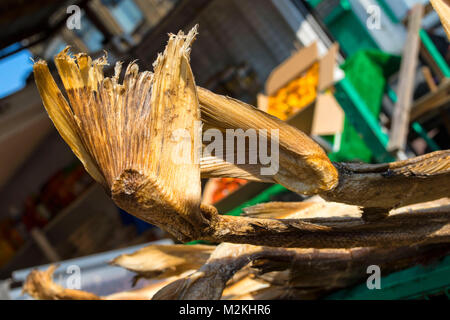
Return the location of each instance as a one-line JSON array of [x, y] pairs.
[[434, 89], [43, 244], [429, 79], [400, 118]]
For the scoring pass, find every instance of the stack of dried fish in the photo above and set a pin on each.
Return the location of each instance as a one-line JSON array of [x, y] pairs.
[[239, 271], [141, 140]]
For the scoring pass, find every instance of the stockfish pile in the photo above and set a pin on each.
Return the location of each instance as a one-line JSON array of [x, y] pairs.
[[394, 215]]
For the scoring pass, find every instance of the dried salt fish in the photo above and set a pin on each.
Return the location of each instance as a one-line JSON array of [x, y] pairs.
[[123, 133], [334, 232], [381, 187], [291, 273], [162, 261], [315, 273], [302, 270], [113, 128]]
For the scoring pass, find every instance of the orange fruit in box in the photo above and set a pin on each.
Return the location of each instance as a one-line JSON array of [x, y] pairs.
[[225, 186], [296, 95]]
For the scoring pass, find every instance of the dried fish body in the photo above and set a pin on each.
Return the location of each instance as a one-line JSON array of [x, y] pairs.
[[392, 185]]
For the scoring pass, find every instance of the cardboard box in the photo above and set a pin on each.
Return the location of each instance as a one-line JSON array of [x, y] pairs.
[[324, 116]]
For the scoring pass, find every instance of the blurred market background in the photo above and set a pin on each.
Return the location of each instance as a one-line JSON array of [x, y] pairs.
[[51, 210]]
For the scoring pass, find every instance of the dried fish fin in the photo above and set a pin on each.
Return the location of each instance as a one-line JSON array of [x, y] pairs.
[[69, 71], [440, 205], [244, 288], [161, 261], [175, 128], [62, 117], [100, 112], [116, 126], [434, 163], [215, 167], [301, 210], [442, 7], [40, 285], [430, 164], [167, 192], [303, 165], [278, 210]]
